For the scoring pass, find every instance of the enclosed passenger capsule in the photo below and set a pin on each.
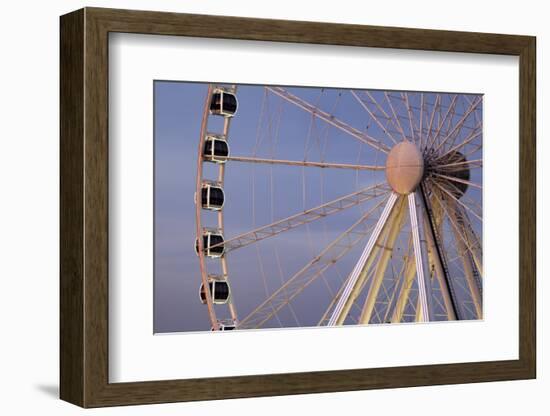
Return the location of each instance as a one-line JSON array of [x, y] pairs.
[[223, 103], [212, 243], [216, 149], [219, 291], [226, 325], [212, 197]]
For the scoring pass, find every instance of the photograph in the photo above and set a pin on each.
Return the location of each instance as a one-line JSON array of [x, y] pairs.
[[298, 206]]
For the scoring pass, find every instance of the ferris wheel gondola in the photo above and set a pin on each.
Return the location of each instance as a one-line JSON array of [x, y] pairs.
[[212, 196], [218, 289], [223, 102], [212, 244], [216, 149]]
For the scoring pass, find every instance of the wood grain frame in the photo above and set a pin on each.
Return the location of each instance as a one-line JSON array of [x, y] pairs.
[[84, 207]]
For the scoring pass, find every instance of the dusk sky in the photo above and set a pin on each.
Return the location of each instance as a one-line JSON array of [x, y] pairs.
[[257, 195]]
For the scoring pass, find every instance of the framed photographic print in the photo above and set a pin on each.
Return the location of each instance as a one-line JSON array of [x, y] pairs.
[[256, 207]]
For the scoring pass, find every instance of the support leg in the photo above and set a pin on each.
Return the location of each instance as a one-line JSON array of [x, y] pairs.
[[361, 268], [421, 258], [393, 231]]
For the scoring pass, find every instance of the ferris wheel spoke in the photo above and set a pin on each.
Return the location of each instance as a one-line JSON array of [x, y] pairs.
[[469, 202], [395, 116], [295, 285], [410, 115], [449, 124], [374, 116], [432, 117], [329, 118], [383, 260], [459, 180], [456, 128], [471, 137], [304, 217], [457, 231], [303, 163], [458, 201], [471, 123], [450, 110], [390, 120], [470, 164], [477, 118], [474, 149], [421, 122]]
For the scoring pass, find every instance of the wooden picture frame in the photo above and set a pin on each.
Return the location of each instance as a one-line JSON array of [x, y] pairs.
[[84, 207]]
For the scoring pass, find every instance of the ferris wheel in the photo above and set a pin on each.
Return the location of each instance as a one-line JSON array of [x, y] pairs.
[[412, 248]]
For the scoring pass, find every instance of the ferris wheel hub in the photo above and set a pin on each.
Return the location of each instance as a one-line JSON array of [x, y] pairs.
[[404, 167]]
